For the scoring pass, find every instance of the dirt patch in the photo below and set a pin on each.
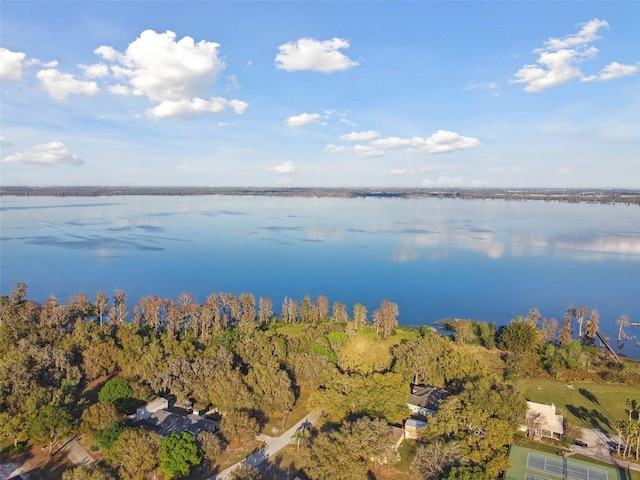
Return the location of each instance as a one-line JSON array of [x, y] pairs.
[[39, 464]]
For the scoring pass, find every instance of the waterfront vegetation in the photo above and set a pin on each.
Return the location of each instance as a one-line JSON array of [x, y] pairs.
[[547, 194], [80, 368]]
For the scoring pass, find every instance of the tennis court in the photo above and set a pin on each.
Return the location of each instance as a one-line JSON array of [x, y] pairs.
[[529, 476], [531, 464], [564, 468]]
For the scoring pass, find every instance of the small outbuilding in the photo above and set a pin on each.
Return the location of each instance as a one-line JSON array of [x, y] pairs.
[[412, 427]]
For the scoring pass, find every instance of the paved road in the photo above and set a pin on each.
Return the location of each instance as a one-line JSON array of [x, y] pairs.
[[272, 447]]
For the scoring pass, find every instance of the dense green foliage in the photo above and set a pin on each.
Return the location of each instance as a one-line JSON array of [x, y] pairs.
[[87, 472], [178, 453], [348, 452], [118, 392], [234, 354], [109, 435]]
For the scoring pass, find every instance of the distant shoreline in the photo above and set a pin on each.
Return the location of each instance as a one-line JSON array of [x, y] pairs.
[[601, 196]]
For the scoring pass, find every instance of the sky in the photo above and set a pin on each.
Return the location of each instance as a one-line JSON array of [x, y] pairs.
[[320, 94]]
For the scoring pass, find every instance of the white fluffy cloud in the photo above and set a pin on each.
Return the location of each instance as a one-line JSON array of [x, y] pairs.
[[284, 167], [52, 153], [557, 60], [60, 85], [611, 71], [97, 70], [309, 54], [165, 69], [11, 64], [193, 107], [393, 142], [174, 74], [442, 141], [359, 136], [587, 34], [302, 119], [4, 142]]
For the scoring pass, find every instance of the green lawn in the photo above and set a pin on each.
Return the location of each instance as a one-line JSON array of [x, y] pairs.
[[586, 404]]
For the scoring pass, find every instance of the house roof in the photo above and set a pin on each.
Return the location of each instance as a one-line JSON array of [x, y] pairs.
[[413, 423], [156, 404], [167, 423], [553, 422], [427, 397]]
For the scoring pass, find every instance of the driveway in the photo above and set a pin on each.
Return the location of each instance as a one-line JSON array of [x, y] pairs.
[[598, 445], [273, 446]]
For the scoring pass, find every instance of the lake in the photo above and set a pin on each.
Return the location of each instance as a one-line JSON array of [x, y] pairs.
[[487, 260]]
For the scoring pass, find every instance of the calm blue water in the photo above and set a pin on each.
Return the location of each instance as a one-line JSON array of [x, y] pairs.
[[487, 260]]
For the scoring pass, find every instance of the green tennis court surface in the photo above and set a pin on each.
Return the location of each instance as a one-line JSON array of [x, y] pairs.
[[528, 464], [565, 468]]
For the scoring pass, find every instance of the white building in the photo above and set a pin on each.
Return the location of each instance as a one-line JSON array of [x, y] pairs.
[[550, 424]]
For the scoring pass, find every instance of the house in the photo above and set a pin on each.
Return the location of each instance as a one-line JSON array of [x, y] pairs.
[[156, 414], [166, 423], [144, 412], [412, 427], [543, 420], [424, 400]]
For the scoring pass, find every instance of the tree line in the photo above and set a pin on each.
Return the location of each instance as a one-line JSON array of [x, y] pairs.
[[607, 196], [234, 354]]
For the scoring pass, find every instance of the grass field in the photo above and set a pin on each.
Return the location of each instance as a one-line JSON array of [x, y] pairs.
[[585, 404], [520, 467]]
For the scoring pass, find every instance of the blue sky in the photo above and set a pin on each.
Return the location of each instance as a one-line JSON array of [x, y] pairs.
[[406, 94]]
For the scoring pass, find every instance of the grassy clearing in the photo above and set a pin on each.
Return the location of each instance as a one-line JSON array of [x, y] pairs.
[[586, 404], [407, 453], [290, 329], [492, 359], [522, 440], [399, 334]]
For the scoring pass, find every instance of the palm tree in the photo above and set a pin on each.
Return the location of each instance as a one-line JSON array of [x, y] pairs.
[[631, 431], [631, 406], [299, 436], [620, 427]]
